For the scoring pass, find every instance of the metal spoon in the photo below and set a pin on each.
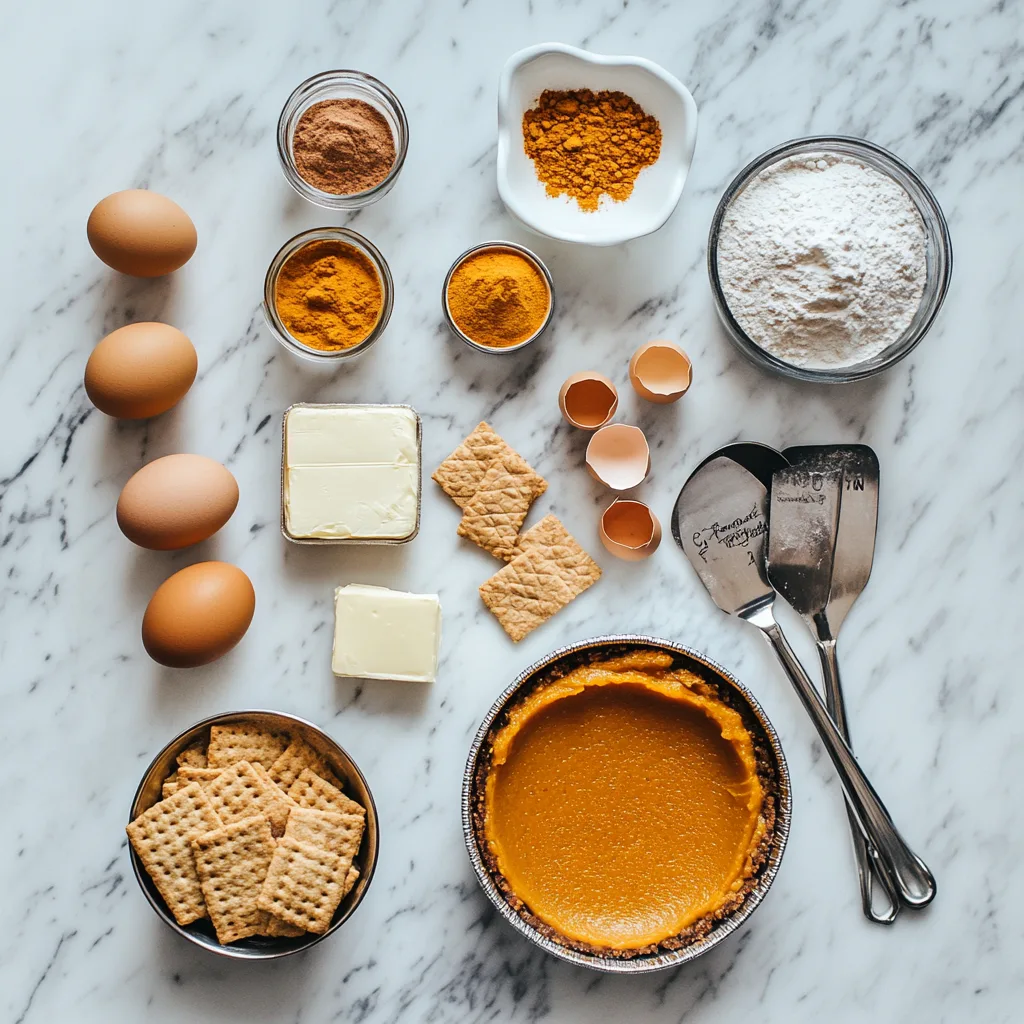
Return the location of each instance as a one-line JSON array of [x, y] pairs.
[[720, 521], [806, 508]]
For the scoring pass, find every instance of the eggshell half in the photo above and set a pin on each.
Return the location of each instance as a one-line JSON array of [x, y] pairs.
[[176, 501], [630, 530], [141, 233], [140, 371], [660, 372], [618, 456], [588, 400], [198, 614]]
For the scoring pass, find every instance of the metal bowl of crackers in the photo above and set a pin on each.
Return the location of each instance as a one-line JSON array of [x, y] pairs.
[[253, 834]]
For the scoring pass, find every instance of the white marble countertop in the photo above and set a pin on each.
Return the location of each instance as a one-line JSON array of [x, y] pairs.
[[184, 98]]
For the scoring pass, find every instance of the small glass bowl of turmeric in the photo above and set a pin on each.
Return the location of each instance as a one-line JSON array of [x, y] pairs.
[[498, 297], [328, 294]]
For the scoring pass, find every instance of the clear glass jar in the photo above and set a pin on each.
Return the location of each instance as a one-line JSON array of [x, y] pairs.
[[292, 246], [938, 256], [341, 85]]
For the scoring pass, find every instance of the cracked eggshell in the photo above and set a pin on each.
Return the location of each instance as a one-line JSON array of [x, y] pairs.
[[618, 456], [588, 400], [630, 530], [660, 372]]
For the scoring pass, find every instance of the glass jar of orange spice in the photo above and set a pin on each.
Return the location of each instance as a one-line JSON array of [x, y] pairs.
[[328, 294]]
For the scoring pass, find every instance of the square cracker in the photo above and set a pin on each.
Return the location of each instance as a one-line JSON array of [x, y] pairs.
[[338, 833], [194, 754], [232, 863], [551, 538], [460, 475], [531, 588], [241, 741], [161, 837], [302, 886], [310, 790], [238, 792], [280, 804], [494, 515], [298, 755]]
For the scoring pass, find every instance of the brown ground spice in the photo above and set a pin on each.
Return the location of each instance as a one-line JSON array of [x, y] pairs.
[[586, 144], [343, 146]]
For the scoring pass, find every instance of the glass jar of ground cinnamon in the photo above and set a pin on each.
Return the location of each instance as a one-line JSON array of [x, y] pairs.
[[328, 294], [342, 139], [498, 297]]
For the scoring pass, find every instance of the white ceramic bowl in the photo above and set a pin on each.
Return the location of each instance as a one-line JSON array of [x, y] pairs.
[[556, 66]]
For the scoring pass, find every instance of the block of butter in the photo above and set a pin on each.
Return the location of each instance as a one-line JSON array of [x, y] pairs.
[[350, 474], [386, 634]]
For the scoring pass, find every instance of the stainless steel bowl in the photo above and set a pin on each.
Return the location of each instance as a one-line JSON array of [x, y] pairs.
[[201, 932], [938, 257], [535, 260], [561, 661]]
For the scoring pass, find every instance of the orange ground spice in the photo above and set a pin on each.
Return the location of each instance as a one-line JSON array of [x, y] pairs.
[[498, 297], [328, 295], [585, 144]]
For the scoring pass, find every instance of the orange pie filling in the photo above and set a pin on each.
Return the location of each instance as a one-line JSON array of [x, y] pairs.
[[623, 803]]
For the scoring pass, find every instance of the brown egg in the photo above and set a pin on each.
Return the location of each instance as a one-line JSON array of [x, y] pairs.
[[588, 400], [141, 233], [140, 371], [618, 456], [660, 372], [630, 530], [176, 501], [198, 614]]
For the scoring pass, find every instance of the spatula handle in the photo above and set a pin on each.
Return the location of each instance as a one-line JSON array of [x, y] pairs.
[[870, 867], [913, 879]]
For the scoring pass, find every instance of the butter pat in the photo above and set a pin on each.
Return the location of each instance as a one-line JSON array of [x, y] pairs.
[[386, 634], [351, 473]]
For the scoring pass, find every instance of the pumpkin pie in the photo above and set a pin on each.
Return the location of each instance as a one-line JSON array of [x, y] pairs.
[[625, 806]]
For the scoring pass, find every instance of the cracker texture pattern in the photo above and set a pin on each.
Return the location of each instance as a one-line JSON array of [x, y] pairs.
[[550, 571], [301, 887], [194, 754], [493, 517], [338, 833], [232, 863], [162, 839], [461, 474], [186, 774], [242, 741], [310, 790], [297, 756], [238, 793]]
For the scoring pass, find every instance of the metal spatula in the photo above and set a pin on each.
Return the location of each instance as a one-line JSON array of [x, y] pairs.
[[720, 521], [806, 510]]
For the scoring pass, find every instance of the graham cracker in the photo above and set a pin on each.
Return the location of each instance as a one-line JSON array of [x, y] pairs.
[[238, 793], [537, 583], [298, 755], [461, 474], [169, 788], [194, 754], [232, 863], [350, 880], [310, 790], [302, 886], [338, 833], [186, 774], [162, 839], [279, 803], [240, 741], [551, 538], [494, 515]]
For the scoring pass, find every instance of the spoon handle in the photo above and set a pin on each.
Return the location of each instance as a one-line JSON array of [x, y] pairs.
[[870, 867], [913, 879]]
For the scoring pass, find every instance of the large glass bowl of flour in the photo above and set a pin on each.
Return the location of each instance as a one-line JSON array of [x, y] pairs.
[[829, 259]]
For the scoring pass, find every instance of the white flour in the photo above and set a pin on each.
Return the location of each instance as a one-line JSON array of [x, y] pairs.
[[822, 260]]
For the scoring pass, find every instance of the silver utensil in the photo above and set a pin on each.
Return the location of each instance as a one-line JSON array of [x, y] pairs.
[[720, 521], [805, 510]]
